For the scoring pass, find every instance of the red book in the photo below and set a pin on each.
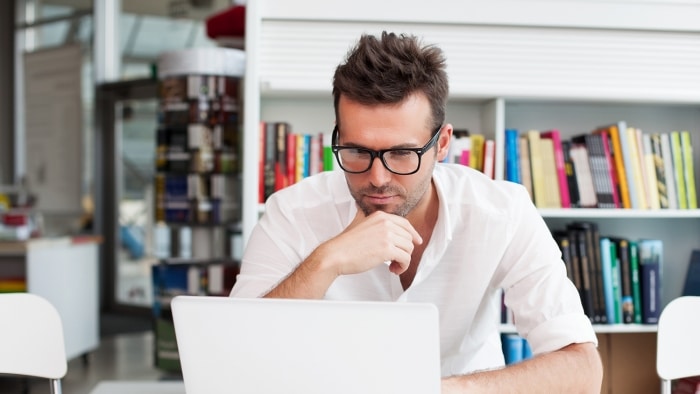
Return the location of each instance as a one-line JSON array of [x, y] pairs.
[[560, 166]]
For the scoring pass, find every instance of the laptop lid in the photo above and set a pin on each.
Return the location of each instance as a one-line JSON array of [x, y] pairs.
[[235, 345]]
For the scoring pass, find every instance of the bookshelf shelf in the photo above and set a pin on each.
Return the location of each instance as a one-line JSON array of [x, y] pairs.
[[594, 213], [601, 328]]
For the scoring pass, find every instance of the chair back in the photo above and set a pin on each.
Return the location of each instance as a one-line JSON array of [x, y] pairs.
[[678, 341], [31, 338]]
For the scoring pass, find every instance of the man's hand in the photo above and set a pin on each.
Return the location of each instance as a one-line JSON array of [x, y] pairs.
[[372, 240]]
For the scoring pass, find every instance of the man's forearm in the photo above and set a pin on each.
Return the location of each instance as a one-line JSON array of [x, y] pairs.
[[574, 369], [311, 279]]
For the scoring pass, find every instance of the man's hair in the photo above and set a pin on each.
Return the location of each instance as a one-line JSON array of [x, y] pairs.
[[389, 69]]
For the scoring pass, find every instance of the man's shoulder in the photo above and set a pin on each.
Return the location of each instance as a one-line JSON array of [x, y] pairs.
[[324, 186]]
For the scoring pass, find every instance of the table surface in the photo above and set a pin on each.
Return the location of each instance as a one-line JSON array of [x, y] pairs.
[[139, 387]]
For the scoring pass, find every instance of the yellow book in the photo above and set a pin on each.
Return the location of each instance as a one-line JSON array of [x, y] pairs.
[[637, 167], [552, 197], [536, 173], [650, 164], [476, 157], [688, 171], [677, 154]]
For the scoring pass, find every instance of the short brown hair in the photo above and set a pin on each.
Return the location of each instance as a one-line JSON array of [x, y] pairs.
[[389, 69]]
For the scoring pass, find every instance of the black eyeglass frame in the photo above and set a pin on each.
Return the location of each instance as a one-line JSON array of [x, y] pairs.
[[380, 153]]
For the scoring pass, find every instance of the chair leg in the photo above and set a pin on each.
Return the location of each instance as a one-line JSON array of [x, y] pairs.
[[665, 386], [56, 386]]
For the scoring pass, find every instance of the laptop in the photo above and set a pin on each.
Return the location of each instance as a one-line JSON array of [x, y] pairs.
[[236, 345]]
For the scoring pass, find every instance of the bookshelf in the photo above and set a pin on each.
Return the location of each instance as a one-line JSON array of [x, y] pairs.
[[572, 65]]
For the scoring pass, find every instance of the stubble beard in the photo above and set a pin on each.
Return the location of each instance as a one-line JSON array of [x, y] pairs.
[[410, 200]]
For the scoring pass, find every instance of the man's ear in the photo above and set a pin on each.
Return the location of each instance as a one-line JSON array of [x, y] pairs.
[[443, 142]]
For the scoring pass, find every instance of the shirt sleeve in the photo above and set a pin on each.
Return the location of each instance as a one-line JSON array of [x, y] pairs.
[[546, 306]]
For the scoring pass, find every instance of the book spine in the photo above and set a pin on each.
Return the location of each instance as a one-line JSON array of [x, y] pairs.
[[634, 273], [559, 166], [677, 154], [512, 156], [688, 170], [626, 147], [620, 166], [606, 261], [650, 263], [669, 173], [537, 174]]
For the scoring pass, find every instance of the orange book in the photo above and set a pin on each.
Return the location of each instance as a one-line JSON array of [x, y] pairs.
[[619, 166]]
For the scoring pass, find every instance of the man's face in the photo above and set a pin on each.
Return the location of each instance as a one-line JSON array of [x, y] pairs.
[[404, 125]]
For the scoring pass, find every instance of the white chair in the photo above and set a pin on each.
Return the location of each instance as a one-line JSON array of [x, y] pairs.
[[31, 339], [678, 343]]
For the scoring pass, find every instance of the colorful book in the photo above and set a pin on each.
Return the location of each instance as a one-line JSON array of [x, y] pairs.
[[560, 166], [650, 268], [634, 152], [584, 177], [650, 166], [636, 286], [606, 262], [512, 155], [525, 167], [549, 173], [574, 198], [688, 170], [659, 170], [615, 140], [678, 172], [669, 172], [537, 174]]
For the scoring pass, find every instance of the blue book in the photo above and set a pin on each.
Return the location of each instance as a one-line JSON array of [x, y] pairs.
[[650, 264], [512, 348], [606, 262], [692, 277], [512, 156], [527, 351]]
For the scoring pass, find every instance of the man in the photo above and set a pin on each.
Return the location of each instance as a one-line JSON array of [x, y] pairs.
[[449, 235]]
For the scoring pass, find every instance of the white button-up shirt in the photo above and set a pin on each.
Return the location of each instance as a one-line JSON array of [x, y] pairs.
[[488, 237]]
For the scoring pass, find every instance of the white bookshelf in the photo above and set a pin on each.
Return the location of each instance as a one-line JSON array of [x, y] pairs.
[[538, 64]]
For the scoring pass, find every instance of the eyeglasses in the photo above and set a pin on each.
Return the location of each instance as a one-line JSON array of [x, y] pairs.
[[400, 161]]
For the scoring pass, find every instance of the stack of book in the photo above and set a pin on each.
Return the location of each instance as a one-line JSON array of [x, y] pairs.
[[618, 279], [614, 166], [286, 157], [472, 150]]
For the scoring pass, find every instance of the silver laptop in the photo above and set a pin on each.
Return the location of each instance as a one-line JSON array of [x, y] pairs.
[[246, 346]]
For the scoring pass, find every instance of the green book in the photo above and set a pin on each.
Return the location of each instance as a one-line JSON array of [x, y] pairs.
[[688, 171], [616, 284], [636, 289]]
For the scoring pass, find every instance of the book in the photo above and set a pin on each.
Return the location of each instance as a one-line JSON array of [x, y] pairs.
[[460, 149], [592, 238], [634, 184], [688, 170], [659, 170], [691, 286], [536, 173], [584, 251], [559, 165], [512, 155], [617, 154], [650, 165], [512, 348], [525, 168], [646, 181], [669, 172], [549, 175], [574, 199], [607, 264], [635, 154], [626, 298], [562, 239], [600, 169], [476, 156], [650, 264], [584, 177], [636, 286], [678, 175]]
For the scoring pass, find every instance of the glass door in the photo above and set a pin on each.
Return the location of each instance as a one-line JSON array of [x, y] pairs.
[[126, 139]]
